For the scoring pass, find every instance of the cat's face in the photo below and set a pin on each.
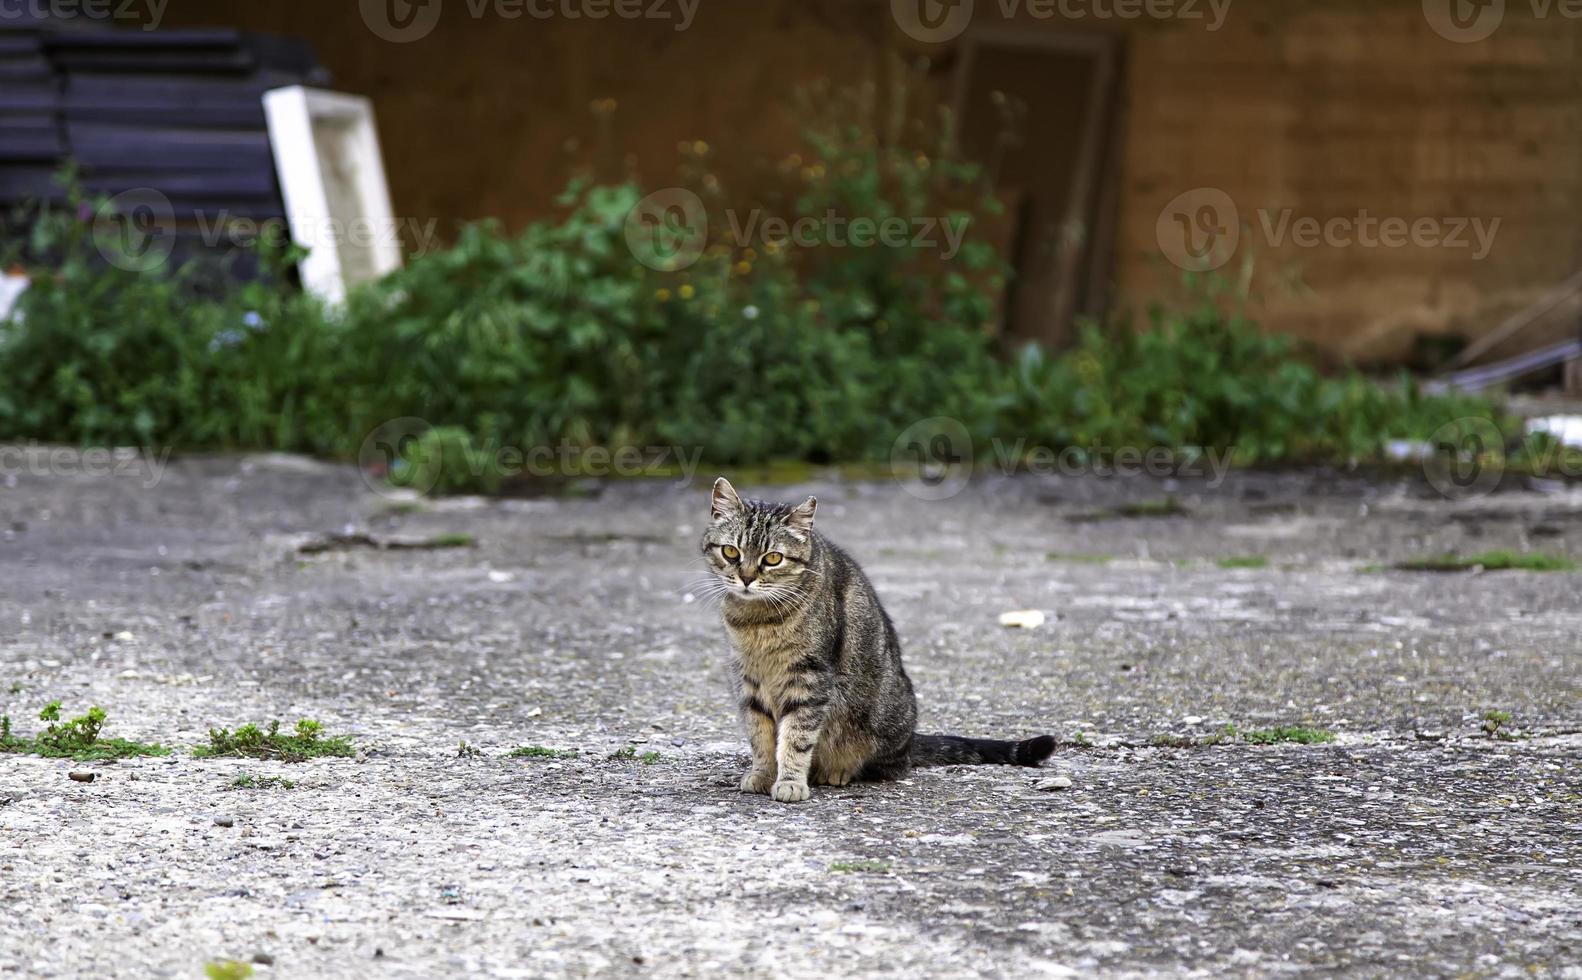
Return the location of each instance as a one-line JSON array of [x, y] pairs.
[[758, 551]]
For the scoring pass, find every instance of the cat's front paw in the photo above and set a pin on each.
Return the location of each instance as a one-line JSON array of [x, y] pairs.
[[757, 781], [785, 791]]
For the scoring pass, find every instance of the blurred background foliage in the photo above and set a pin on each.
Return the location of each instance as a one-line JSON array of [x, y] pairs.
[[754, 353]]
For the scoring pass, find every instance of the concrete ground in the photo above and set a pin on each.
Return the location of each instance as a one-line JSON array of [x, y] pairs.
[[1416, 844]]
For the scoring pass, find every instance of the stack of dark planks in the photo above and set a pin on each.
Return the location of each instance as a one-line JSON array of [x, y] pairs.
[[31, 140], [179, 112]]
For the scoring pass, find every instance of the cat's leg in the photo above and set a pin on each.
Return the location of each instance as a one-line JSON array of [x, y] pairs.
[[840, 756], [801, 723], [760, 725]]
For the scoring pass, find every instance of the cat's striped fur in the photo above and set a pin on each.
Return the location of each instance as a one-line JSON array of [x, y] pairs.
[[824, 696]]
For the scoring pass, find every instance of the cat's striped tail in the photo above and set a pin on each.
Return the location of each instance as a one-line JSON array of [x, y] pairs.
[[954, 750]]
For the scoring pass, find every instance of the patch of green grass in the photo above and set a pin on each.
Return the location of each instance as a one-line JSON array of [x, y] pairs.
[[1370, 569], [1491, 561], [457, 540], [1288, 733], [860, 867], [77, 739], [539, 752], [629, 753], [228, 970], [1495, 723], [1081, 739], [248, 781], [1080, 559], [1166, 507], [465, 751], [16, 687], [252, 742], [1250, 561], [1173, 741]]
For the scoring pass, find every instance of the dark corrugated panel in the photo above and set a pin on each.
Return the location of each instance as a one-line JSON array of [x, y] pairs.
[[180, 112]]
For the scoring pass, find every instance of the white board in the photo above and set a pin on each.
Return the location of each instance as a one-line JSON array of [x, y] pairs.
[[332, 177]]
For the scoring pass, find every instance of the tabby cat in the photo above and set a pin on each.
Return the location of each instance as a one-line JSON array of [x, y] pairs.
[[823, 694]]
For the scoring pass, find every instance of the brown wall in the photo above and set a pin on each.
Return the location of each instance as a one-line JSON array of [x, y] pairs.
[[1324, 108]]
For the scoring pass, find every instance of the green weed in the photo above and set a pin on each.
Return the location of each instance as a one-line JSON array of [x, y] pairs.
[[249, 781], [78, 738], [252, 742], [1491, 561], [1251, 561], [629, 753], [539, 752], [1496, 723], [1288, 733], [860, 867]]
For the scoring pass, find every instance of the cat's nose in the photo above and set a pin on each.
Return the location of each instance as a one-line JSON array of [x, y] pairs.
[[746, 579]]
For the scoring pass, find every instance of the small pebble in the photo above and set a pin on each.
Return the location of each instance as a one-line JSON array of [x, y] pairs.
[[1053, 783], [82, 777], [224, 821], [1027, 619]]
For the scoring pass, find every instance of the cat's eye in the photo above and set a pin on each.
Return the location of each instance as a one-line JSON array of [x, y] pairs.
[[773, 558], [730, 552]]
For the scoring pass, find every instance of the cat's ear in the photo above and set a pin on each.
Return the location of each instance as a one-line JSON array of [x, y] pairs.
[[800, 520], [725, 504]]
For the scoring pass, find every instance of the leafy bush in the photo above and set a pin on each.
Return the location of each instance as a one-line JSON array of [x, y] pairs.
[[1207, 379], [814, 351], [99, 353]]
